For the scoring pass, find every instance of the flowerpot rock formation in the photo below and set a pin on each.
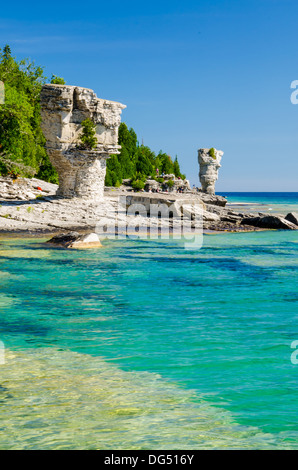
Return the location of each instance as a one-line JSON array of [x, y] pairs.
[[209, 166], [63, 108]]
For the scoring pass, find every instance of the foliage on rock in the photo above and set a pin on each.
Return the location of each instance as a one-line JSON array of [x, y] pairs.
[[88, 138], [57, 80], [212, 153]]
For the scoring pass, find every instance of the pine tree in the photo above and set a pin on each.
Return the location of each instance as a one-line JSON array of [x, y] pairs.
[[176, 168], [88, 138], [126, 163], [143, 163], [114, 171]]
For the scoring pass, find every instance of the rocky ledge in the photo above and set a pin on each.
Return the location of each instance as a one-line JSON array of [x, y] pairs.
[[31, 207]]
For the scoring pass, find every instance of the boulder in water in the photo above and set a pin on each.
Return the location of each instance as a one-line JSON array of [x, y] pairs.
[[269, 221], [76, 240], [292, 217]]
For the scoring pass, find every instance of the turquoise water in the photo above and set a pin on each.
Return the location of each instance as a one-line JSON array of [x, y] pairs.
[[146, 345], [281, 203]]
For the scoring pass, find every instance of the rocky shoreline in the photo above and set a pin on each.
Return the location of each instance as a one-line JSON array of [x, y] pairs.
[[81, 203], [30, 207]]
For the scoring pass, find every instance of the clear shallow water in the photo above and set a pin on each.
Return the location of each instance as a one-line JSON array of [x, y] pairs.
[[144, 344]]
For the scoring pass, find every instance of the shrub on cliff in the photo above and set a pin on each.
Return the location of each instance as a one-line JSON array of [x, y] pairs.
[[88, 138], [138, 185], [57, 80], [212, 153], [170, 183]]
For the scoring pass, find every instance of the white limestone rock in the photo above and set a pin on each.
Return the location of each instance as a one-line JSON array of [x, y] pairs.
[[210, 216], [209, 167], [63, 108]]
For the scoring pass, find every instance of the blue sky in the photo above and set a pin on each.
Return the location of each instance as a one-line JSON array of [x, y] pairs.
[[192, 74]]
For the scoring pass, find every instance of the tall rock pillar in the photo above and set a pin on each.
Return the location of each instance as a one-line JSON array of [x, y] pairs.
[[63, 108], [209, 161]]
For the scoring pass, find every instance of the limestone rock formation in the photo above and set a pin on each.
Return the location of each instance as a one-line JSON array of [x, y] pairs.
[[209, 166], [29, 207], [63, 108]]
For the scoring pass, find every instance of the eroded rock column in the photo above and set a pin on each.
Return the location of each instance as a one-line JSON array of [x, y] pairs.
[[209, 161], [63, 108]]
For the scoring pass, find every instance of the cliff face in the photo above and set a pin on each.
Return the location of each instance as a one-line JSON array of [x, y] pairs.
[[209, 167], [63, 108]]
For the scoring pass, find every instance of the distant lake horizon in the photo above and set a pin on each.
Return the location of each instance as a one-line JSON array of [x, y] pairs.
[[277, 202]]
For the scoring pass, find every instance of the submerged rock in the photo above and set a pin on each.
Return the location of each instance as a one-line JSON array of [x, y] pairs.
[[75, 240]]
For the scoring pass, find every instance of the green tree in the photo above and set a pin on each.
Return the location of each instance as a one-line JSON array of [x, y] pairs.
[[166, 163], [108, 178], [143, 163], [176, 168], [57, 80], [128, 139], [170, 183], [137, 162], [138, 185], [126, 163], [212, 153], [88, 138], [114, 171], [21, 138], [6, 52]]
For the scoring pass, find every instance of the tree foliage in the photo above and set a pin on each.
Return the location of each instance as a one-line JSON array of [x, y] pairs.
[[21, 137], [137, 162], [57, 80], [212, 153], [22, 144], [88, 137]]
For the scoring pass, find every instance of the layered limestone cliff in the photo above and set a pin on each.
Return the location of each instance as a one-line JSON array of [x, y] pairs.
[[209, 165], [63, 108]]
